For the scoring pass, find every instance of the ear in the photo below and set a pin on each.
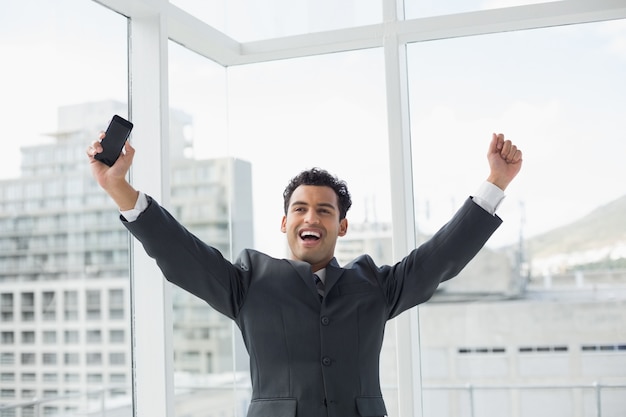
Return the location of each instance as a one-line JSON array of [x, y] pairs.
[[343, 227], [283, 225]]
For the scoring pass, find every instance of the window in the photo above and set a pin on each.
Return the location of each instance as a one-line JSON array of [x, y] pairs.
[[71, 377], [71, 337], [117, 358], [71, 358], [94, 336], [50, 393], [50, 411], [45, 183], [28, 358], [29, 377], [71, 305], [117, 378], [48, 308], [328, 101], [49, 358], [192, 167], [7, 393], [49, 337], [6, 306], [116, 304], [28, 411], [28, 338], [7, 376], [50, 377], [10, 413], [116, 336], [94, 358], [7, 338], [94, 378], [28, 306], [93, 304], [544, 265]]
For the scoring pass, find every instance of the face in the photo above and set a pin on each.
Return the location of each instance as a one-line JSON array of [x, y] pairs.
[[312, 225]]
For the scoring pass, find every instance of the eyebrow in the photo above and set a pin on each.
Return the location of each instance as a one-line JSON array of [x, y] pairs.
[[303, 203]]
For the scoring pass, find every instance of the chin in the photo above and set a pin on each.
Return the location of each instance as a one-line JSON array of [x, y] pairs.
[[308, 259]]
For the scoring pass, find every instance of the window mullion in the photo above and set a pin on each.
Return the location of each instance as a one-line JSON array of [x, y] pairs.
[[153, 385]]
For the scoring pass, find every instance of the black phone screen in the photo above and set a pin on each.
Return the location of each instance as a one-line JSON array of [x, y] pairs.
[[116, 135]]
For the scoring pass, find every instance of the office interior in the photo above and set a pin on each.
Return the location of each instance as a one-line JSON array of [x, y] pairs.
[[229, 100]]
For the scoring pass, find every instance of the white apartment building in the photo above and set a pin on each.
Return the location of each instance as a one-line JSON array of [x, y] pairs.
[[569, 361], [65, 291]]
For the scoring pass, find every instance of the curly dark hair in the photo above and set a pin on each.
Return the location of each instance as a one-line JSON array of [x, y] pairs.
[[318, 176]]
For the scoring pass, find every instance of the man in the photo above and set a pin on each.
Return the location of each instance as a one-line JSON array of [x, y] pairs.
[[314, 340]]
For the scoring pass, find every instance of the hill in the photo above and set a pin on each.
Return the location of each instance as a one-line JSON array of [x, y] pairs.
[[604, 227]]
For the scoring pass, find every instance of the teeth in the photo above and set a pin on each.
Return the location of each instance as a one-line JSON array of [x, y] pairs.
[[309, 233]]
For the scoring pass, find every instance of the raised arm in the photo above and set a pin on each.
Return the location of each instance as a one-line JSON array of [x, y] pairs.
[[505, 161], [113, 179]]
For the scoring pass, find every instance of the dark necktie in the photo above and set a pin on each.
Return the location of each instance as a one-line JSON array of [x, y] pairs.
[[321, 288]]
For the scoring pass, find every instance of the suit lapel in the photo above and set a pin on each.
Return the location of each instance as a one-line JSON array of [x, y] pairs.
[[333, 273], [304, 272]]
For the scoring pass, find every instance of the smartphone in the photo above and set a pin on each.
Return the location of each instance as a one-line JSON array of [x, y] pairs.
[[116, 135]]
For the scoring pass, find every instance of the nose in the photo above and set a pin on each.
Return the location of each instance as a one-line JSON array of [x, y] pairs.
[[311, 217]]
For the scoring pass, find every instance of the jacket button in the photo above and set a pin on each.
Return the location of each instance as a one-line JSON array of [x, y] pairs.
[[325, 321], [326, 361]]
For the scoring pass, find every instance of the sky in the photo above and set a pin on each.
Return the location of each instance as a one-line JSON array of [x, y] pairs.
[[49, 60], [558, 93]]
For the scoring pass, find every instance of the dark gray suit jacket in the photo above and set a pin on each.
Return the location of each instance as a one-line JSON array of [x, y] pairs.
[[312, 359]]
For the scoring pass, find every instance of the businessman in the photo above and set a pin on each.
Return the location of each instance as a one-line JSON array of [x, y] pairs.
[[312, 328]]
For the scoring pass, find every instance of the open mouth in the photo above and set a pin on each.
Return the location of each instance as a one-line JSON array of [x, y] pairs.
[[310, 235]]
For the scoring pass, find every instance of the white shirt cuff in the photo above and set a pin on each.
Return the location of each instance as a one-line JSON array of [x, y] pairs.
[[141, 204], [488, 196]]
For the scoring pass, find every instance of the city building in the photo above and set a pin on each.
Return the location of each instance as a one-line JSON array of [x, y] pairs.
[[65, 292], [569, 361]]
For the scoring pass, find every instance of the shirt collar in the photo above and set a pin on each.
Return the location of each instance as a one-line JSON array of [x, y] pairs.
[[321, 274]]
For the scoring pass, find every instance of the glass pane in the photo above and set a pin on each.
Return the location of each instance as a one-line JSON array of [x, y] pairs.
[[542, 306], [324, 111], [424, 8], [249, 21], [63, 251], [205, 185]]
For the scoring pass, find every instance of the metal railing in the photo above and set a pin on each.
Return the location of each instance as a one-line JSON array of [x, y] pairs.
[[472, 389], [98, 403]]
